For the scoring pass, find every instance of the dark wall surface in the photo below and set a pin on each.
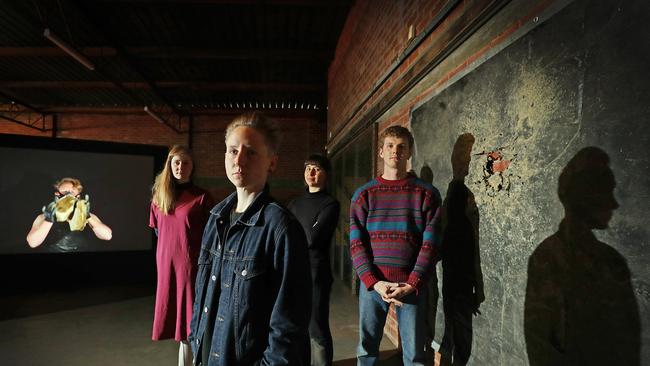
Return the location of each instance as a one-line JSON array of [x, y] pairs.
[[578, 79]]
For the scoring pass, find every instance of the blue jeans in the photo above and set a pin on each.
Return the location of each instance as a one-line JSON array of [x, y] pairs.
[[412, 325]]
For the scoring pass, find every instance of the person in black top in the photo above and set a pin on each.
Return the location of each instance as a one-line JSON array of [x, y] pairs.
[[318, 213]]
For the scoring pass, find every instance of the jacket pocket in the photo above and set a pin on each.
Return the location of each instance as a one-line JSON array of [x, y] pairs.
[[247, 270], [250, 281], [252, 293]]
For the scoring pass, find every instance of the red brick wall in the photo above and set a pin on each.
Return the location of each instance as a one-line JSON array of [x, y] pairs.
[[302, 135], [374, 35]]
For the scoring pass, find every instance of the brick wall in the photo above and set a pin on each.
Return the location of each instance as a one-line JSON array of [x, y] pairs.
[[303, 134], [373, 37]]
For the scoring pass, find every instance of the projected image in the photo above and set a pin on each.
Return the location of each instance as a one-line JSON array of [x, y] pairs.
[[63, 196], [65, 218]]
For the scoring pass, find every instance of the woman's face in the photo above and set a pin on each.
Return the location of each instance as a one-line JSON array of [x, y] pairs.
[[315, 177], [248, 159], [181, 166]]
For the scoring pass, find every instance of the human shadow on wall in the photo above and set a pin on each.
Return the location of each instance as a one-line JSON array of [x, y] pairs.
[[426, 174], [580, 308], [462, 278]]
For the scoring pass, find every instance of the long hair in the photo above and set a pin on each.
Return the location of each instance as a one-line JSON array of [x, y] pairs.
[[163, 190]]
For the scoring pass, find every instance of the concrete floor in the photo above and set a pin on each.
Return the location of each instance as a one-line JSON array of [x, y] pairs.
[[111, 325]]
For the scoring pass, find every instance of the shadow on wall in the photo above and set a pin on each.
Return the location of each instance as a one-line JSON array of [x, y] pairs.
[[426, 174], [580, 308], [462, 278]]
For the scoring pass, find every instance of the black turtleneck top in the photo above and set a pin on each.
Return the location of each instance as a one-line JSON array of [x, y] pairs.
[[318, 213]]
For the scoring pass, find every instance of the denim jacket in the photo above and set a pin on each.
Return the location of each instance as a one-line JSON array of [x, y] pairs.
[[255, 275]]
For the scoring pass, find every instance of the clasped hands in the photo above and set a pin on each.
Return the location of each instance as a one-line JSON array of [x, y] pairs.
[[392, 292]]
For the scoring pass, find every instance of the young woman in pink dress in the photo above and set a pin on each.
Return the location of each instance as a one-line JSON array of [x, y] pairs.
[[179, 211]]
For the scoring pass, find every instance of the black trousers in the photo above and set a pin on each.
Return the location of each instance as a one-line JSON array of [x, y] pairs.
[[322, 351]]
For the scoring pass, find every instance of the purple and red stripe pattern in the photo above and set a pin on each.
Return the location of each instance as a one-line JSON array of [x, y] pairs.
[[394, 231]]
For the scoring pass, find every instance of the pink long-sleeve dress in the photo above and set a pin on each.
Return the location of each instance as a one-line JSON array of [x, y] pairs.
[[177, 253]]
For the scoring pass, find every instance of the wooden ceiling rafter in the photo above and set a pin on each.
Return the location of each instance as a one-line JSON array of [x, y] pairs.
[[238, 54], [167, 108]]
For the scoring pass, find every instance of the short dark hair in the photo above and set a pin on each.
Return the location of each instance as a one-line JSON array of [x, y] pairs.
[[397, 131], [320, 161]]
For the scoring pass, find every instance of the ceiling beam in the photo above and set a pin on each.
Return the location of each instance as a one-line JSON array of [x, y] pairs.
[[96, 21], [174, 53], [304, 3], [12, 99], [194, 85], [17, 108]]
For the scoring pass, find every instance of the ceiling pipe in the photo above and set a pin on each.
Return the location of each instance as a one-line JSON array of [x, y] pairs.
[[157, 117], [69, 49], [154, 115]]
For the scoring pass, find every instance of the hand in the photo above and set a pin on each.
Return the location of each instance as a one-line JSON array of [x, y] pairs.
[[399, 291], [383, 287], [479, 297], [49, 212], [391, 292], [87, 206]]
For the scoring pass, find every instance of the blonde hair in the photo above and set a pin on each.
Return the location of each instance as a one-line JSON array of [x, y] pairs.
[[76, 183], [163, 190], [261, 124]]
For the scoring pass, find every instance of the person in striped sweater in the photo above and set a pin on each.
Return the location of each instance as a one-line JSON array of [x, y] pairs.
[[394, 245]]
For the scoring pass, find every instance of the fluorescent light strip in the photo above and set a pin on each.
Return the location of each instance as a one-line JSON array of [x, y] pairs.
[[69, 50]]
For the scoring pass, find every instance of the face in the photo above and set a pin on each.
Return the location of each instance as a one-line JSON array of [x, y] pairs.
[[67, 188], [181, 166], [248, 159], [315, 177], [396, 152]]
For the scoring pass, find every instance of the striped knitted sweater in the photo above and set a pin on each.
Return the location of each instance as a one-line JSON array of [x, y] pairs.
[[394, 231]]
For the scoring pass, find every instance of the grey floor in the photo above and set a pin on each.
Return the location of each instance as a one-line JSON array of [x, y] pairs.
[[111, 325]]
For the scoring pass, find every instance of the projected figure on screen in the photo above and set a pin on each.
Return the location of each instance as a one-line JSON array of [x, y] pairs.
[[63, 220]]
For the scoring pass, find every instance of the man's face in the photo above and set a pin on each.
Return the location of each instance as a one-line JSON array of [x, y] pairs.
[[315, 177], [66, 188], [396, 152], [248, 159], [181, 166]]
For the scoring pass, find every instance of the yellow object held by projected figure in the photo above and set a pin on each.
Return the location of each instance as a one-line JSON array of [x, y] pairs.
[[80, 216], [64, 208]]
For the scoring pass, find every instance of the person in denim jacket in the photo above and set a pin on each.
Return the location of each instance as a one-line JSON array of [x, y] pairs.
[[253, 289]]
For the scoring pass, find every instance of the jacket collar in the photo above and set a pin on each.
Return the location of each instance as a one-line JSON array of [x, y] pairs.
[[251, 216]]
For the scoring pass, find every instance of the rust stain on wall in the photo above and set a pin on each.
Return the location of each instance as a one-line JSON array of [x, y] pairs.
[[495, 179]]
